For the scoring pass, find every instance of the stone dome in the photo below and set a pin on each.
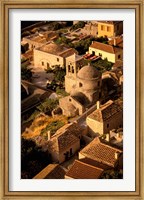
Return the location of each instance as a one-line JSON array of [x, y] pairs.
[[88, 72]]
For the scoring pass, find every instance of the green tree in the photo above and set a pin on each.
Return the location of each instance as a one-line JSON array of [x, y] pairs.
[[48, 105]]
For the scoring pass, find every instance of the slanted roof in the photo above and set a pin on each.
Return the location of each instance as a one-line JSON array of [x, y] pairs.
[[106, 111], [52, 171], [56, 49], [81, 170], [72, 128], [118, 41], [101, 152], [105, 47], [62, 141]]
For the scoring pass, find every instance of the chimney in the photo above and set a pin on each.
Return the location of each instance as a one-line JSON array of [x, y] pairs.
[[116, 155], [98, 104], [117, 135], [115, 42], [107, 137], [49, 135]]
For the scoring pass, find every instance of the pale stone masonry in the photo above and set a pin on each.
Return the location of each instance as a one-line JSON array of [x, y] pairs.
[[105, 118]]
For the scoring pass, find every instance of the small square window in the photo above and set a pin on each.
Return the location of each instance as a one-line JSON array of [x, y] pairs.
[[102, 27]]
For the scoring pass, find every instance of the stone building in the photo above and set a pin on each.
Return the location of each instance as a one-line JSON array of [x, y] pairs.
[[91, 28], [52, 171], [39, 39], [106, 51], [52, 54], [65, 142], [110, 28], [85, 92], [73, 64], [104, 155], [105, 118]]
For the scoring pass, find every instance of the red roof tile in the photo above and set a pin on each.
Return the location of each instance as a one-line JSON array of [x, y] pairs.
[[105, 47], [80, 170], [101, 152]]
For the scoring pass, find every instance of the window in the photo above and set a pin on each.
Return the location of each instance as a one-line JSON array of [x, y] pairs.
[[57, 59], [107, 125], [119, 56], [72, 69], [70, 151], [93, 53], [42, 63], [80, 85], [108, 29], [69, 99], [47, 65], [68, 68], [102, 27]]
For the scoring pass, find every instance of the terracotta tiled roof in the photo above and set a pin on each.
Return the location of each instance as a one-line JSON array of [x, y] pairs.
[[62, 141], [101, 152], [118, 40], [72, 128], [95, 163], [106, 111], [105, 47], [52, 171], [80, 170]]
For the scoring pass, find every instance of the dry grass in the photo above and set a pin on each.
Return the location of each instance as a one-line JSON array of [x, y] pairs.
[[40, 123]]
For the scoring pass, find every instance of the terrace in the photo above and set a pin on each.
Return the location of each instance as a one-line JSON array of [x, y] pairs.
[[91, 57]]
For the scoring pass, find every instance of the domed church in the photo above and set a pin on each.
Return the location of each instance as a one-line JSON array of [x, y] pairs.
[[84, 92]]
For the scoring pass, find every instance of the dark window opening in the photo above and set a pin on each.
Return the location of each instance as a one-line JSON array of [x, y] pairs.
[[72, 69], [58, 59], [119, 56], [42, 63], [71, 152], [47, 64], [107, 125], [80, 85], [93, 53], [68, 68]]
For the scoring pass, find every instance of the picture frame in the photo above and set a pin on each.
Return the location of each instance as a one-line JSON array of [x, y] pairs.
[[4, 189]]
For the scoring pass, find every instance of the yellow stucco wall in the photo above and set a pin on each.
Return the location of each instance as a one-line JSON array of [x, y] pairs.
[[105, 30], [109, 56], [110, 30]]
